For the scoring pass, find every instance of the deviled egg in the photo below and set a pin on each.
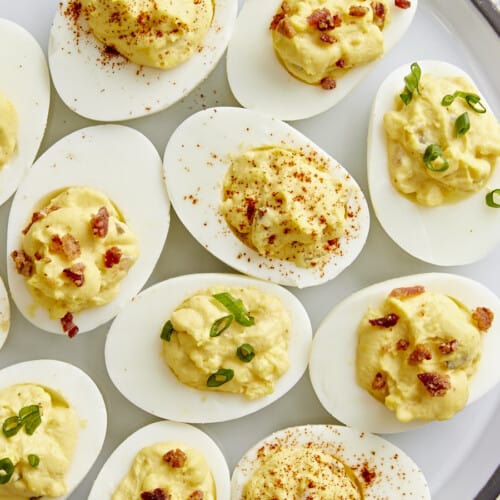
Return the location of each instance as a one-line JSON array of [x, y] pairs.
[[118, 165], [458, 231], [261, 82], [25, 90], [95, 81], [348, 463], [118, 464], [197, 163], [4, 313], [333, 368], [74, 405], [136, 366]]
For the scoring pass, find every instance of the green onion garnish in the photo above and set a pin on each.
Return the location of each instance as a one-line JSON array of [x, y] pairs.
[[462, 124], [490, 198], [235, 307], [31, 423], [473, 100], [6, 470], [33, 460], [28, 411], [220, 325], [245, 352], [221, 376], [432, 153], [167, 330], [412, 80], [11, 426]]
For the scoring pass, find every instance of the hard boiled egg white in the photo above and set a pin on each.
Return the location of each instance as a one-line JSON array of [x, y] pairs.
[[332, 365], [135, 364], [118, 464], [259, 81], [4, 313], [105, 88], [447, 235], [383, 470], [124, 165], [79, 390], [196, 160], [25, 82]]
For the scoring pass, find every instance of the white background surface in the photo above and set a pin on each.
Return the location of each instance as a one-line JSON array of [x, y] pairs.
[[457, 456]]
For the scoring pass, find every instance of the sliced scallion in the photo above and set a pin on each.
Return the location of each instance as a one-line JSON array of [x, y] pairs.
[[235, 307], [11, 426], [245, 352], [412, 80], [6, 470], [431, 154], [221, 325], [490, 198], [462, 124], [33, 460], [166, 331], [473, 100], [221, 376]]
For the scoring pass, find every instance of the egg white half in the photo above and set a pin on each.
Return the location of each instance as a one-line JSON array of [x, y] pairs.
[[452, 234], [135, 364], [195, 162], [120, 461], [80, 391], [124, 165], [396, 475], [332, 365], [25, 81], [4, 313], [113, 89], [259, 81]]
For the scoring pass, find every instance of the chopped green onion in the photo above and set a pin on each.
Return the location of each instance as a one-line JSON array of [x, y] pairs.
[[28, 411], [462, 124], [6, 470], [432, 153], [245, 352], [217, 329], [167, 330], [490, 198], [33, 460], [11, 426], [31, 423], [473, 100], [221, 376], [447, 100], [236, 307], [412, 80]]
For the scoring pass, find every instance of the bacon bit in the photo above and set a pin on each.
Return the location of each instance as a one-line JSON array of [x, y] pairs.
[[68, 326], [39, 216], [407, 291], [447, 347], [23, 263], [196, 495], [420, 353], [436, 383], [68, 246], [340, 63], [321, 19], [402, 344], [112, 256], [99, 223], [175, 458], [379, 381], [277, 18], [75, 274], [156, 494], [378, 9], [386, 321], [285, 28], [328, 83], [337, 20], [483, 318], [357, 11], [402, 4], [325, 37]]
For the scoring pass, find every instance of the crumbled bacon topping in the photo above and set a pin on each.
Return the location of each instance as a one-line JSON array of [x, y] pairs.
[[357, 11], [407, 291], [379, 381], [328, 83], [196, 495], [483, 318], [321, 19], [325, 37], [99, 223], [75, 274], [112, 256], [277, 18], [39, 216], [448, 347], [378, 9], [68, 246], [175, 458], [385, 321], [68, 326], [437, 384], [340, 63], [23, 263], [285, 28], [156, 494], [402, 4], [419, 354], [402, 344]]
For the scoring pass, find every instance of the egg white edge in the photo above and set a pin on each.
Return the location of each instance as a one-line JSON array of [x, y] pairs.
[[447, 235], [4, 313], [80, 391], [121, 90], [194, 178], [82, 158], [25, 82], [335, 341], [119, 462], [133, 352], [396, 473], [275, 91]]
